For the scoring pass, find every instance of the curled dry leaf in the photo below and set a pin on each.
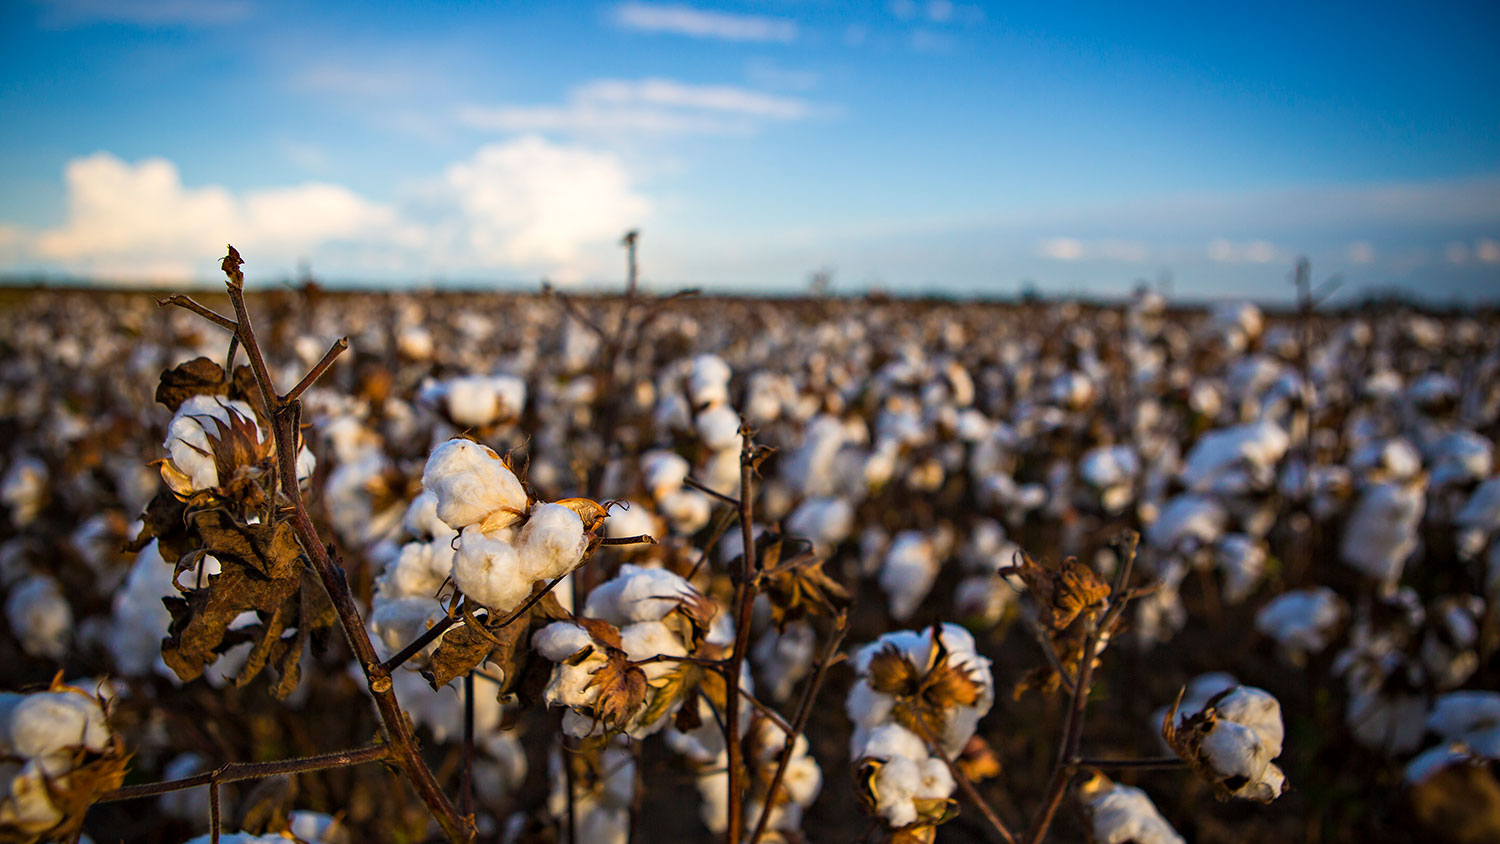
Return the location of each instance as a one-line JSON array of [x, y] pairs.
[[1062, 591]]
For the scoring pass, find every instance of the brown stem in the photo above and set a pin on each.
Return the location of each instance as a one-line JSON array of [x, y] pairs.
[[1043, 641], [187, 304], [466, 781], [804, 711], [397, 726], [964, 782], [416, 645], [744, 601], [690, 481], [237, 771], [213, 812], [642, 539], [1152, 764], [317, 371], [1063, 768]]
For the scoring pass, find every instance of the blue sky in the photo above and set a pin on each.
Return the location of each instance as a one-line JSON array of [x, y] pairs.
[[912, 146]]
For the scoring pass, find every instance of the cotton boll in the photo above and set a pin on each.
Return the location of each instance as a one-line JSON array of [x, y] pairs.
[[1187, 521], [719, 429], [1382, 531], [1242, 561], [664, 472], [490, 571], [646, 639], [1302, 621], [421, 519], [471, 483], [40, 617], [396, 622], [1122, 814], [826, 521], [785, 657], [190, 465], [1257, 445], [1460, 716], [631, 518], [551, 543], [418, 570], [708, 385], [688, 510], [637, 594], [26, 803], [908, 572], [1258, 710], [906, 774], [24, 489], [45, 725]]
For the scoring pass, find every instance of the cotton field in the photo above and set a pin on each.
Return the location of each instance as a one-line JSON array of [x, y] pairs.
[[1018, 572]]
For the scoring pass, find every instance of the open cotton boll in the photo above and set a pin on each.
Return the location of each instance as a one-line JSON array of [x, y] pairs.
[[1302, 621], [906, 775], [471, 482], [1236, 751], [551, 543], [1123, 814], [1459, 716], [46, 724], [1242, 561], [1187, 521], [687, 509], [25, 802], [631, 518], [646, 639], [637, 594], [24, 489], [664, 472], [708, 385], [911, 565], [189, 452], [396, 622], [40, 617], [490, 571], [1381, 533], [1254, 444], [1257, 709], [719, 429], [826, 521], [417, 571], [421, 519]]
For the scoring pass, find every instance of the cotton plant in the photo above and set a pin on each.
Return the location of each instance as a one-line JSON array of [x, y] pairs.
[[603, 783], [933, 682]]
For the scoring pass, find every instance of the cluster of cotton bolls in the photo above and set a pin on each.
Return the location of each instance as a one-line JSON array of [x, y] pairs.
[[45, 739], [904, 724]]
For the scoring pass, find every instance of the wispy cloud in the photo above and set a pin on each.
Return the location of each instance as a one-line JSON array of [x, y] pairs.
[[1107, 249], [645, 105], [1226, 251], [701, 23], [69, 13]]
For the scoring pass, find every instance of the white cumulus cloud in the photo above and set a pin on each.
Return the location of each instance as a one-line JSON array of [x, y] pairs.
[[519, 207]]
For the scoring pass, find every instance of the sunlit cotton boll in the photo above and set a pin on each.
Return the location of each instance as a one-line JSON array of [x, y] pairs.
[[719, 429], [1123, 814], [471, 483], [474, 401], [40, 617], [488, 569], [551, 543], [906, 773]]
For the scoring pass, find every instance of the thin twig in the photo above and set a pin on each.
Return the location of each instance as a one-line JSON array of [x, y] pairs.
[[416, 645], [187, 304], [1156, 763], [642, 539], [466, 782], [745, 599], [318, 369], [213, 813], [238, 771], [1045, 643], [804, 711], [965, 783], [690, 481]]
